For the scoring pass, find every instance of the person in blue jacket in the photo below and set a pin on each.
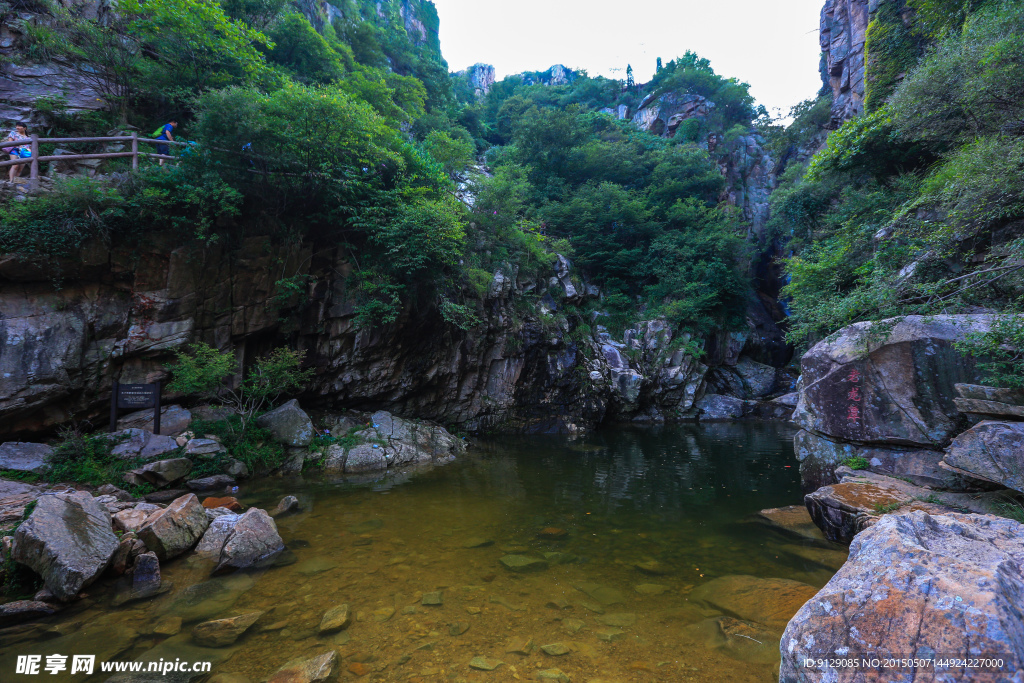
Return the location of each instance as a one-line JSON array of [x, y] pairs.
[[165, 132]]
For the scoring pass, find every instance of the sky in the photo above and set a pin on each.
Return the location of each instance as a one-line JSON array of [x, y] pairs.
[[773, 46]]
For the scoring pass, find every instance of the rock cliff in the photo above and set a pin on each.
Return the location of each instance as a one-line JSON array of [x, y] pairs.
[[119, 314]]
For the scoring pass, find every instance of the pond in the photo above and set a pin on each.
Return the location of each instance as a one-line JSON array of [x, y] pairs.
[[625, 555]]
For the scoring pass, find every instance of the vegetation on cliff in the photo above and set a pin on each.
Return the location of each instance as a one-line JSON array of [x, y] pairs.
[[917, 206]]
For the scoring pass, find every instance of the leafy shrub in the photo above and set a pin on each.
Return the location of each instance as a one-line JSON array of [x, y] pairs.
[[857, 462], [245, 441], [88, 459], [200, 370], [999, 352]]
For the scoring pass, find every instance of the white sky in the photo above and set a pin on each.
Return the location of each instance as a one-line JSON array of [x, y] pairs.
[[773, 46]]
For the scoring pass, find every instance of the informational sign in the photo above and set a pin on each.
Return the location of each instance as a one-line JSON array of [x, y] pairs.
[[135, 397]]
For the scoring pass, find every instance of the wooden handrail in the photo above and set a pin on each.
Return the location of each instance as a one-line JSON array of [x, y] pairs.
[[35, 158]]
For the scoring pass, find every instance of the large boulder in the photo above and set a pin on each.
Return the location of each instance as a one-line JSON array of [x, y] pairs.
[[142, 581], [992, 451], [253, 538], [134, 443], [289, 424], [21, 456], [176, 528], [160, 473], [716, 407], [917, 585], [819, 457], [888, 382], [173, 420], [68, 540]]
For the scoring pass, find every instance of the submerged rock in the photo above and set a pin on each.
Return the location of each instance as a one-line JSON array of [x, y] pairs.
[[484, 663], [68, 540], [336, 619], [222, 632], [523, 563], [792, 520], [922, 585], [768, 601], [313, 670]]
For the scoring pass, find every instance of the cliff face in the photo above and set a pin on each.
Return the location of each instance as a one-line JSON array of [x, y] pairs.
[[120, 315]]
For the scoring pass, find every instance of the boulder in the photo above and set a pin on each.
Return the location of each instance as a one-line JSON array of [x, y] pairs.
[[861, 497], [223, 632], [204, 447], [819, 457], [365, 458], [142, 581], [67, 540], [289, 424], [992, 451], [767, 601], [131, 520], [888, 382], [229, 502], [212, 543], [217, 481], [917, 585], [758, 378], [253, 538], [129, 548], [176, 528], [288, 505], [22, 456], [19, 611], [334, 459], [712, 407], [336, 619], [111, 490], [173, 420], [159, 473], [235, 468], [313, 670]]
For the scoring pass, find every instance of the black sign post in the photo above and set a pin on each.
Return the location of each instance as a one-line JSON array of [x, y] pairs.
[[135, 397]]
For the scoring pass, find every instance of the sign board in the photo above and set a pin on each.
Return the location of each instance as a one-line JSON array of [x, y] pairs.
[[135, 397]]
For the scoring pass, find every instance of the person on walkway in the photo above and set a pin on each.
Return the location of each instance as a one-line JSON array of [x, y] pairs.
[[165, 132], [19, 133]]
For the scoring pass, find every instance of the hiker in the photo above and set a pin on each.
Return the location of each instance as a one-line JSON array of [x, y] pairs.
[[19, 133], [165, 132]]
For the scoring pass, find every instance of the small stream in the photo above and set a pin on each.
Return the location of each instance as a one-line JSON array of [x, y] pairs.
[[631, 522]]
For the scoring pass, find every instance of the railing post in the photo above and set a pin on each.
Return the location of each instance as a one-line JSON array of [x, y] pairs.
[[33, 176], [135, 150]]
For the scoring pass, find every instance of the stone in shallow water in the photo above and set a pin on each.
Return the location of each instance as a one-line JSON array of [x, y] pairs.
[[221, 632], [519, 646], [383, 614], [210, 598], [552, 675], [555, 649], [523, 563], [623, 619], [457, 628], [434, 598], [652, 567], [498, 600], [610, 635], [484, 664], [336, 619], [315, 565], [560, 558], [312, 670], [557, 603], [591, 607], [603, 594], [24, 610], [167, 626], [650, 589], [573, 625], [477, 542], [767, 601]]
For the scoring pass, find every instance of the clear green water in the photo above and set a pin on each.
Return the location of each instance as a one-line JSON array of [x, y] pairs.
[[666, 509]]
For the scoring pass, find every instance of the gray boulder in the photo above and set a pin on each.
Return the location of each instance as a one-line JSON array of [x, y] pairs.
[[68, 540], [160, 473], [22, 456], [176, 528], [142, 581], [253, 538], [173, 420], [917, 585], [235, 468], [221, 527], [203, 447], [289, 424], [217, 481], [713, 407], [365, 458], [888, 382], [288, 505], [819, 457], [24, 610], [992, 451], [139, 443], [758, 378]]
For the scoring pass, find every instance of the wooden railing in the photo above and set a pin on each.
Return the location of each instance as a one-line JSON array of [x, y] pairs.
[[35, 141]]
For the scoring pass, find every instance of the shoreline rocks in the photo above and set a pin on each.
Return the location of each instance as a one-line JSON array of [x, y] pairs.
[[917, 584]]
